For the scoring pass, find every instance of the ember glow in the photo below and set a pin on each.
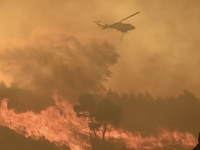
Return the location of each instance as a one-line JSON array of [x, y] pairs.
[[60, 125]]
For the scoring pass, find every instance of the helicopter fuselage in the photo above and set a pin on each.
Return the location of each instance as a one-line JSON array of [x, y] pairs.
[[120, 27]]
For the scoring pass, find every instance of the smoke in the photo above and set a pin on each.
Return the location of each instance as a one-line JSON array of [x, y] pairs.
[[146, 114], [162, 50], [53, 61], [161, 56]]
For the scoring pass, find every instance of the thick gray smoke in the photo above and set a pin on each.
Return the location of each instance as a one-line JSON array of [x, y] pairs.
[[48, 62]]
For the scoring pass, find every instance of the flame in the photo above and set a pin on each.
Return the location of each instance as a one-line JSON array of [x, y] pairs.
[[165, 139], [60, 125], [61, 129]]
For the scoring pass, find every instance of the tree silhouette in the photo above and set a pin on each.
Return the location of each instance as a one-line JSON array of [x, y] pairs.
[[101, 114], [108, 113], [87, 109], [197, 147], [171, 112]]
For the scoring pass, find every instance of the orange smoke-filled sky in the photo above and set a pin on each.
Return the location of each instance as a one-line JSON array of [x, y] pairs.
[[161, 56]]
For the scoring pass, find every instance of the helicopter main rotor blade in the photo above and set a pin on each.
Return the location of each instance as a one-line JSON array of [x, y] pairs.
[[129, 16]]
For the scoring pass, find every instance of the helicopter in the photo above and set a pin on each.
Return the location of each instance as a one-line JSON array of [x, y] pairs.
[[122, 27]]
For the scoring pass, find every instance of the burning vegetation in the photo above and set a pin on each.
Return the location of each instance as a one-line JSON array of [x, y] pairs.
[[75, 119], [90, 124]]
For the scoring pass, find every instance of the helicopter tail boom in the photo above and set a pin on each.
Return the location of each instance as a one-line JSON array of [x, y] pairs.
[[103, 26], [99, 23]]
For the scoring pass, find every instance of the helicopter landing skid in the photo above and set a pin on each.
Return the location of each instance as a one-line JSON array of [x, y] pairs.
[[123, 35]]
